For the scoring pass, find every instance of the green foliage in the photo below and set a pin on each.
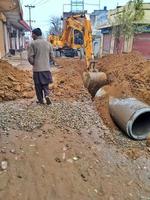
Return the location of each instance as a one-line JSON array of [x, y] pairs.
[[126, 21], [139, 12]]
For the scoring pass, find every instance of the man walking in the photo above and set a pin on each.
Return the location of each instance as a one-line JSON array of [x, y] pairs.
[[39, 54]]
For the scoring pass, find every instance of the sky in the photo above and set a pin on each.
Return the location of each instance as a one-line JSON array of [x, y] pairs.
[[45, 9]]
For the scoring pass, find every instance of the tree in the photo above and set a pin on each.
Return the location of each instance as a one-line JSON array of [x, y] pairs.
[[126, 22], [55, 27]]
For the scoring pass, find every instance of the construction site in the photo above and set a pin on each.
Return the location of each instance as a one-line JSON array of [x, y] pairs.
[[93, 141]]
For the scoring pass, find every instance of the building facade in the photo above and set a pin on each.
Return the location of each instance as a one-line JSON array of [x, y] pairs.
[[2, 34], [139, 41], [12, 27], [97, 18]]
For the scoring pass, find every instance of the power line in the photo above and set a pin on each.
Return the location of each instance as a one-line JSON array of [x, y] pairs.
[[42, 2], [30, 6], [36, 2]]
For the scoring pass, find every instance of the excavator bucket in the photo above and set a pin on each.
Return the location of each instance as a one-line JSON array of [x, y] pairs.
[[94, 80]]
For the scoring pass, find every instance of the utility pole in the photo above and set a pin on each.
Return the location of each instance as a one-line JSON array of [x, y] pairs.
[[30, 6]]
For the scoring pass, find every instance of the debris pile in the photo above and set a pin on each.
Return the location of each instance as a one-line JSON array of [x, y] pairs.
[[128, 76], [68, 83], [14, 83]]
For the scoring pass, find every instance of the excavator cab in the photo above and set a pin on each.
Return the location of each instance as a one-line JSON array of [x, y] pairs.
[[78, 38], [76, 42]]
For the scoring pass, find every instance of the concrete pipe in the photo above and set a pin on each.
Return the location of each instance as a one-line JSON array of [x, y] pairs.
[[93, 81], [132, 116]]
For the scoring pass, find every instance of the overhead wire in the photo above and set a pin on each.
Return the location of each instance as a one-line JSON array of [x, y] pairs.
[[31, 2], [42, 2], [36, 2]]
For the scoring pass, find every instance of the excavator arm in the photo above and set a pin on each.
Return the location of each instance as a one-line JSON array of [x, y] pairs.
[[82, 24]]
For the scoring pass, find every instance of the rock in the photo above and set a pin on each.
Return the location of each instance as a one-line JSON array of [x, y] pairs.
[[148, 149], [43, 168], [75, 158], [28, 94], [95, 190], [11, 78], [28, 85], [2, 93], [57, 160], [59, 94], [12, 151], [17, 88], [130, 183], [4, 165], [61, 81], [63, 156], [9, 95], [65, 148], [19, 176], [130, 194], [32, 145], [16, 158], [3, 150], [84, 177]]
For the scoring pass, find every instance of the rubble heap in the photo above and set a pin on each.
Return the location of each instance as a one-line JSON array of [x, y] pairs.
[[14, 83]]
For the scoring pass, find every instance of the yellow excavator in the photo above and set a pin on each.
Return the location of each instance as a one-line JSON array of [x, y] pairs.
[[77, 34]]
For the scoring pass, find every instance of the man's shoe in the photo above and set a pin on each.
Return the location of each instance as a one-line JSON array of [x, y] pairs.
[[39, 102], [48, 101]]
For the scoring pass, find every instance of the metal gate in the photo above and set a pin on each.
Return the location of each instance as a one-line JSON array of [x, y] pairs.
[[141, 43]]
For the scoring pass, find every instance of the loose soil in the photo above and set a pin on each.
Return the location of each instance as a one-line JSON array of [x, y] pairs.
[[14, 83], [67, 151], [128, 76], [68, 82]]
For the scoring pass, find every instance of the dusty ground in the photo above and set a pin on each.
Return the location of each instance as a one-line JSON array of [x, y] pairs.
[[66, 151]]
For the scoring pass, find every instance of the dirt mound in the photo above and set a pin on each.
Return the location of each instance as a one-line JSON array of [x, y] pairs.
[[128, 76], [68, 82], [14, 83]]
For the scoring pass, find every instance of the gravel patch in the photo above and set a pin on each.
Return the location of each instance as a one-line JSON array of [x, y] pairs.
[[18, 116], [81, 117], [77, 115]]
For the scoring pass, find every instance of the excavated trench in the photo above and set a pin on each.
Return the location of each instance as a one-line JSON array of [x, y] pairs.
[[127, 76], [65, 151]]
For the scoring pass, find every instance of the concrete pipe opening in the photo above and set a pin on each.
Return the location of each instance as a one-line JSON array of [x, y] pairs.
[[139, 124]]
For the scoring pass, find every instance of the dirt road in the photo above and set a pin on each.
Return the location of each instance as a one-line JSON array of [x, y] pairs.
[[65, 151]]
